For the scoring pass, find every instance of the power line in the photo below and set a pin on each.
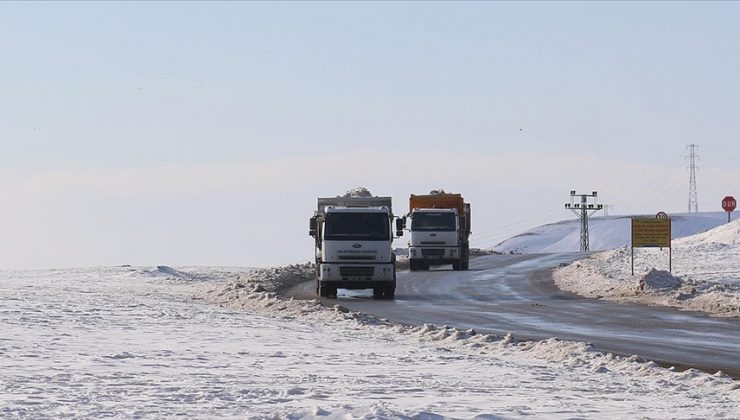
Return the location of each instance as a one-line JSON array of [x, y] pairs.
[[721, 157], [606, 209], [493, 237], [496, 229]]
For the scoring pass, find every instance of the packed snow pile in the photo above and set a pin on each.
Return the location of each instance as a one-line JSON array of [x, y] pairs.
[[659, 279], [604, 233], [149, 342], [725, 236], [438, 191], [479, 252], [276, 279], [705, 275], [358, 192]]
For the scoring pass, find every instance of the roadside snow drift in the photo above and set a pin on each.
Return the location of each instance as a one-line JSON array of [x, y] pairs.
[[706, 274], [218, 342], [604, 233]]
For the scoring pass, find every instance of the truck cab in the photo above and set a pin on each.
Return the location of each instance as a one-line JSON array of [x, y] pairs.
[[353, 245], [440, 227]]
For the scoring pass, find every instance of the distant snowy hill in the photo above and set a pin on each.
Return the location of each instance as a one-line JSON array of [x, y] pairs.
[[604, 232]]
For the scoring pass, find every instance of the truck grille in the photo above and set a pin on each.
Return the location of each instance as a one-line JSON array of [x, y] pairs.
[[357, 257], [356, 271], [432, 242], [433, 252]]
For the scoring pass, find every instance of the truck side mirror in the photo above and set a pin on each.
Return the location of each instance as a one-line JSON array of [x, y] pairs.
[[312, 226], [400, 226]]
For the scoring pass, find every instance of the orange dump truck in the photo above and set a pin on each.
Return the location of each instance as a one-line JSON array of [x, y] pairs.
[[440, 231]]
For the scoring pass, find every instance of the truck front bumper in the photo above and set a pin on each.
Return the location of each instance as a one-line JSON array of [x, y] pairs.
[[356, 273], [445, 254]]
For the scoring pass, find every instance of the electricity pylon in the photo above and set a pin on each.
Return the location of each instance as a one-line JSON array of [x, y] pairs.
[[583, 210], [692, 158]]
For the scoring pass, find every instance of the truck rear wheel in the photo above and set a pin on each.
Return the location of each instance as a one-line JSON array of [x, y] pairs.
[[466, 258]]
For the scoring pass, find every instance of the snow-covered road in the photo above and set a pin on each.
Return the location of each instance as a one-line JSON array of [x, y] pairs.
[[515, 293], [154, 343]]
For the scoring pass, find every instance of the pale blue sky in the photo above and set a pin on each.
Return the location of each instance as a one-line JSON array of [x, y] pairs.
[[201, 133]]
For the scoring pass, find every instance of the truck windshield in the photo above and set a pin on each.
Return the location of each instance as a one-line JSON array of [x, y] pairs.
[[357, 227], [428, 221]]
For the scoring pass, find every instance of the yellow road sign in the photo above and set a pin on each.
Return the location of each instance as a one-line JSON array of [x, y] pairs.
[[651, 233]]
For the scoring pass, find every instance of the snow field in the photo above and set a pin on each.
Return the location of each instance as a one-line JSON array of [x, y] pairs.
[[705, 277], [604, 233], [551, 367], [212, 342]]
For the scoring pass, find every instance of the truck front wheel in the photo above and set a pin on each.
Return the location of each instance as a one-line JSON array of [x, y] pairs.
[[322, 291], [325, 290], [384, 291]]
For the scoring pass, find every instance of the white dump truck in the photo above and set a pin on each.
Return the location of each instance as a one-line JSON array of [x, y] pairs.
[[440, 231], [354, 237]]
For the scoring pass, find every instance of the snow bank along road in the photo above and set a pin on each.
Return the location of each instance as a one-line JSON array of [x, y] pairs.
[[705, 277], [156, 343], [515, 293]]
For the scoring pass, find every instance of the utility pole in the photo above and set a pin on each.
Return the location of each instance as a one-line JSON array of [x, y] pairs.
[[692, 158], [583, 209]]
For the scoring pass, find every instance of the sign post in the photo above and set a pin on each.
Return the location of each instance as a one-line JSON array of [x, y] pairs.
[[728, 205], [652, 233]]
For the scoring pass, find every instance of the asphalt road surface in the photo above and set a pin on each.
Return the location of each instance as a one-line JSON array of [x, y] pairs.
[[515, 293]]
